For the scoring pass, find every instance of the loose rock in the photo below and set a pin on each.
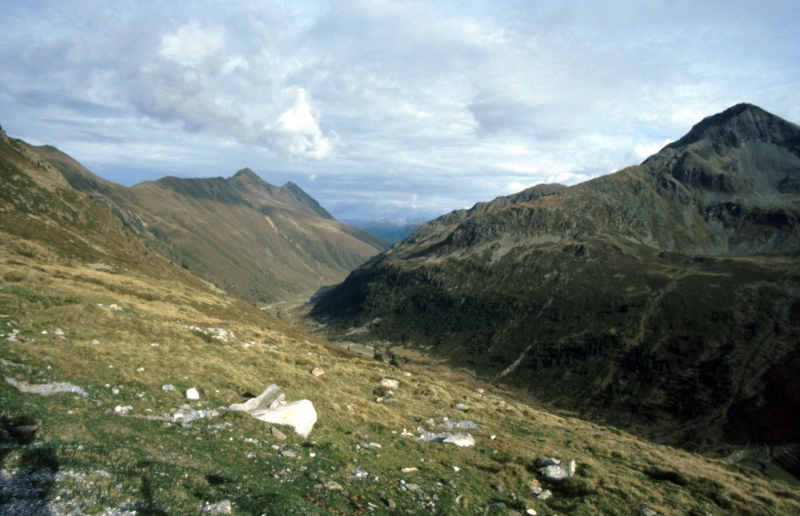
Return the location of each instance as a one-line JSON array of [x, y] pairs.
[[556, 470], [223, 507], [270, 398], [300, 415], [317, 371], [192, 394], [388, 383], [46, 389]]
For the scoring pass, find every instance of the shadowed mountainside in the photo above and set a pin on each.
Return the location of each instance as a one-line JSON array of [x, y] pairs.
[[261, 242], [664, 298]]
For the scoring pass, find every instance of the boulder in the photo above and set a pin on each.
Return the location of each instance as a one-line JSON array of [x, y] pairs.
[[388, 383], [300, 415], [460, 440], [192, 394], [556, 470], [270, 398]]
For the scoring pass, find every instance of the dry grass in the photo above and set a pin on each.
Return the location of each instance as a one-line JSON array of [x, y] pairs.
[[618, 473]]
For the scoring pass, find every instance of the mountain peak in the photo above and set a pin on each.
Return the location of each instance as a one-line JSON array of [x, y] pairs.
[[738, 124], [246, 172]]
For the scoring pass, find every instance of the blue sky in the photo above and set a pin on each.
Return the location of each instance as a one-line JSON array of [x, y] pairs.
[[386, 108]]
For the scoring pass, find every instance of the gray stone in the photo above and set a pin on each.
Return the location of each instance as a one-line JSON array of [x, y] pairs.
[[300, 415], [223, 507], [648, 512], [390, 504], [270, 398], [277, 433], [466, 424], [192, 394], [460, 440], [168, 388], [556, 470], [46, 389], [332, 486], [388, 383], [317, 371]]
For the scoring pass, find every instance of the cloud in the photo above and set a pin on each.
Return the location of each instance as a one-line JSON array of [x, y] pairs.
[[381, 100], [198, 78]]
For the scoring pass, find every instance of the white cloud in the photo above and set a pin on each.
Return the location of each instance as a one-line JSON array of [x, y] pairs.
[[569, 178], [192, 45], [646, 150], [454, 102]]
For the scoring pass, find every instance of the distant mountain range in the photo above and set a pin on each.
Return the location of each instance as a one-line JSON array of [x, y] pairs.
[[393, 229], [664, 298], [261, 242]]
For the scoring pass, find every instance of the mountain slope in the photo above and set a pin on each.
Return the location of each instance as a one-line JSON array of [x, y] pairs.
[[261, 242], [87, 308], [664, 298]]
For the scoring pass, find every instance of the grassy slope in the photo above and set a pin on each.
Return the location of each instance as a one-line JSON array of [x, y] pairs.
[[53, 278]]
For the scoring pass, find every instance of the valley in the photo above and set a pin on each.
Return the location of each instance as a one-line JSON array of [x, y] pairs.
[[142, 360]]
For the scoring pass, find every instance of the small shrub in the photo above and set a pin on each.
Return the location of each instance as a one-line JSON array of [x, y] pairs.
[[11, 277]]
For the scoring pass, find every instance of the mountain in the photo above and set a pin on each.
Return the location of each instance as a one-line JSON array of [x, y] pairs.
[[260, 242], [102, 338], [663, 298], [392, 230]]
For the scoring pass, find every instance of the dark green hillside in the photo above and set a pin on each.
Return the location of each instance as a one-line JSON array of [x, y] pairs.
[[663, 298]]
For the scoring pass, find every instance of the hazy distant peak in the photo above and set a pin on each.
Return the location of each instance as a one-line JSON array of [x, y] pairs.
[[738, 124]]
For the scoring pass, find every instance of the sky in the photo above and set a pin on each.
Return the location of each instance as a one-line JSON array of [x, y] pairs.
[[386, 108]]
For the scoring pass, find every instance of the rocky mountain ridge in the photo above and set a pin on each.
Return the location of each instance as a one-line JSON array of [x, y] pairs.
[[262, 242]]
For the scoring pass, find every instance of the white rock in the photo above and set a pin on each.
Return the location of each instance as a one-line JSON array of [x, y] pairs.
[[300, 415], [556, 470], [388, 383], [270, 398], [409, 470], [223, 507], [460, 440], [317, 371], [192, 394], [168, 388], [530, 512], [59, 332]]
